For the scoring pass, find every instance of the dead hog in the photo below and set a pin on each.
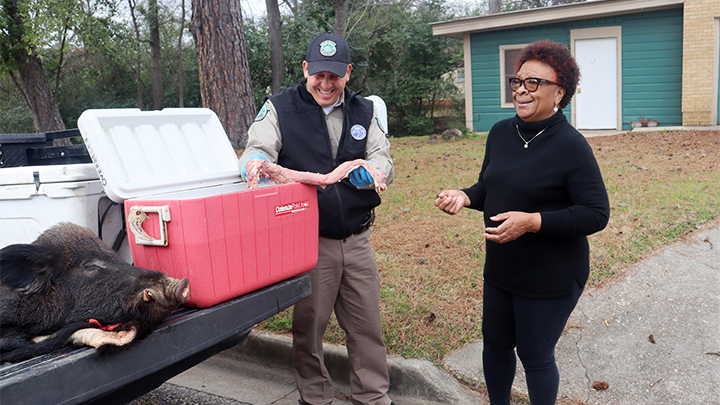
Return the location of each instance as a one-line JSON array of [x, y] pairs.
[[69, 287]]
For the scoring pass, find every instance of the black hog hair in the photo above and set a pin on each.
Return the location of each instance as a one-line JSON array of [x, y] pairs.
[[33, 273]]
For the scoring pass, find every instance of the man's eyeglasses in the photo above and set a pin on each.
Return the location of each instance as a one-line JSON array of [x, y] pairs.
[[531, 83]]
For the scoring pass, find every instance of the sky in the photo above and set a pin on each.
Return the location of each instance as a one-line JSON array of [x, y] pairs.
[[255, 8]]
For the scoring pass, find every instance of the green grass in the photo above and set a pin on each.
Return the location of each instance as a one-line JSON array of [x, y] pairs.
[[661, 186]]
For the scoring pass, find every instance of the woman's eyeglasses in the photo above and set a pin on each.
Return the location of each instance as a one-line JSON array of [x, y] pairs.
[[531, 83]]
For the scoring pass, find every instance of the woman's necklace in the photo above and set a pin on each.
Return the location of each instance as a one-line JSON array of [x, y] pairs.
[[531, 139]]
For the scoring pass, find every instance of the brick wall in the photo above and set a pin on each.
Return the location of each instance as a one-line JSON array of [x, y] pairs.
[[698, 36]]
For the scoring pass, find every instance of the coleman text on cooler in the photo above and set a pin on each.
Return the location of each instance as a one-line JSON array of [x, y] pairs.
[[292, 207]]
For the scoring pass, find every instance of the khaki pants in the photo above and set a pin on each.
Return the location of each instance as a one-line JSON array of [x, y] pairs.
[[345, 279]]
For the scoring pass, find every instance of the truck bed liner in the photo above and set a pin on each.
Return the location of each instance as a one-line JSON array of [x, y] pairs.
[[186, 338]]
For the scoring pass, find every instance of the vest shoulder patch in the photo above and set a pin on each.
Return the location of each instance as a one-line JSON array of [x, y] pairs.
[[358, 132], [263, 111]]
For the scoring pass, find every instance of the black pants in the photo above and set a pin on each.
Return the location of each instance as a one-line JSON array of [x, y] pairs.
[[534, 327]]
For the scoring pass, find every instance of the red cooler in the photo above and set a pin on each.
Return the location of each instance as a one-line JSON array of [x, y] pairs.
[[187, 212]]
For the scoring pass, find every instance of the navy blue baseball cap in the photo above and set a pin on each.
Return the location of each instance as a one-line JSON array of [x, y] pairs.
[[328, 53]]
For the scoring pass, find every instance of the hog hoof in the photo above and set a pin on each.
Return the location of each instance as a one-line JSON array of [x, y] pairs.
[[95, 337]]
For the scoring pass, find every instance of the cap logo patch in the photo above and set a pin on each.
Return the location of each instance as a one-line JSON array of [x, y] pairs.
[[328, 48], [358, 132]]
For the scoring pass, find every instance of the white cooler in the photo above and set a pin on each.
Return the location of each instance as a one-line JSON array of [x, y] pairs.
[[33, 198]]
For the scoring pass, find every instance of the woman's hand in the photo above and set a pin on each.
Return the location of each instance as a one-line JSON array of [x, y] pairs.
[[514, 226], [452, 201]]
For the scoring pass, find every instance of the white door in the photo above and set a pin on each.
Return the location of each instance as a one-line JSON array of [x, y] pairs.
[[596, 97]]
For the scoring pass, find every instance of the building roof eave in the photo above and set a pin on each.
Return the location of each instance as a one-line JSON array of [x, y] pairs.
[[547, 15]]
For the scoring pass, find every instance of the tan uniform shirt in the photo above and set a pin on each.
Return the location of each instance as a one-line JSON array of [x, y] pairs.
[[264, 136]]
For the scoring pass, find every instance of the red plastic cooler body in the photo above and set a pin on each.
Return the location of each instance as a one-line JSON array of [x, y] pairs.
[[233, 243], [193, 216]]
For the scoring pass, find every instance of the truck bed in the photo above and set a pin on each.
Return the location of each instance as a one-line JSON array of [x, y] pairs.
[[186, 338]]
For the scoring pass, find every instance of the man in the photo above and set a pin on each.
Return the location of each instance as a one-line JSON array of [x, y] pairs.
[[315, 126]]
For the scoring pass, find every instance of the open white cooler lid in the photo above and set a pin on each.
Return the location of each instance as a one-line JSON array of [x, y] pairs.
[[145, 153]]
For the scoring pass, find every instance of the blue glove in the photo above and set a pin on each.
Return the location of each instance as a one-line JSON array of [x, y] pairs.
[[360, 177], [256, 155]]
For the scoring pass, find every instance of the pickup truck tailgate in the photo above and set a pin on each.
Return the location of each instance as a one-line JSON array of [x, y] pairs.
[[186, 338]]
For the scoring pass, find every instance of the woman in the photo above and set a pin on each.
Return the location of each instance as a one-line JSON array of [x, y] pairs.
[[542, 193]]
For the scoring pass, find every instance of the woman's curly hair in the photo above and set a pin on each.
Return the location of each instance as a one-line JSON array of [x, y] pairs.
[[559, 58]]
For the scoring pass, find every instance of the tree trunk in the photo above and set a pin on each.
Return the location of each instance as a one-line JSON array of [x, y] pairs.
[[277, 57], [181, 76], [155, 55], [33, 83], [341, 14], [225, 85], [495, 6], [46, 115]]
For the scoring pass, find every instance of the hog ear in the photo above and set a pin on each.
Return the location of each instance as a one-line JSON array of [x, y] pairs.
[[25, 267]]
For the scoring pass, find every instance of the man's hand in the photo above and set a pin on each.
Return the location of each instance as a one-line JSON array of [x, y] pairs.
[[452, 201], [514, 226], [254, 156], [360, 178]]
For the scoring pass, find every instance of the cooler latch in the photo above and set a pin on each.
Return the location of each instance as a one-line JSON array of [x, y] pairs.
[[138, 215]]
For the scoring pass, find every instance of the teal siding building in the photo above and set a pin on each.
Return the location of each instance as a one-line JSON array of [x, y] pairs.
[[630, 54]]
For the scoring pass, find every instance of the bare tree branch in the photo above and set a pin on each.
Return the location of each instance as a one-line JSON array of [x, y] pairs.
[[292, 5], [138, 80], [60, 60], [20, 88]]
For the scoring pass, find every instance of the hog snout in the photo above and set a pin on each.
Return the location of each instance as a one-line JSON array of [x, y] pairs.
[[171, 294]]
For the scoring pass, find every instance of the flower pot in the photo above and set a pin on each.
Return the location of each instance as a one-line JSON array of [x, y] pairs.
[[636, 124], [652, 123]]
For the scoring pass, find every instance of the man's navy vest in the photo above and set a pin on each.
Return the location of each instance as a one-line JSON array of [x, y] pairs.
[[306, 147]]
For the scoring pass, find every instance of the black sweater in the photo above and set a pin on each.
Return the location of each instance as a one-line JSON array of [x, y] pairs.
[[558, 176]]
